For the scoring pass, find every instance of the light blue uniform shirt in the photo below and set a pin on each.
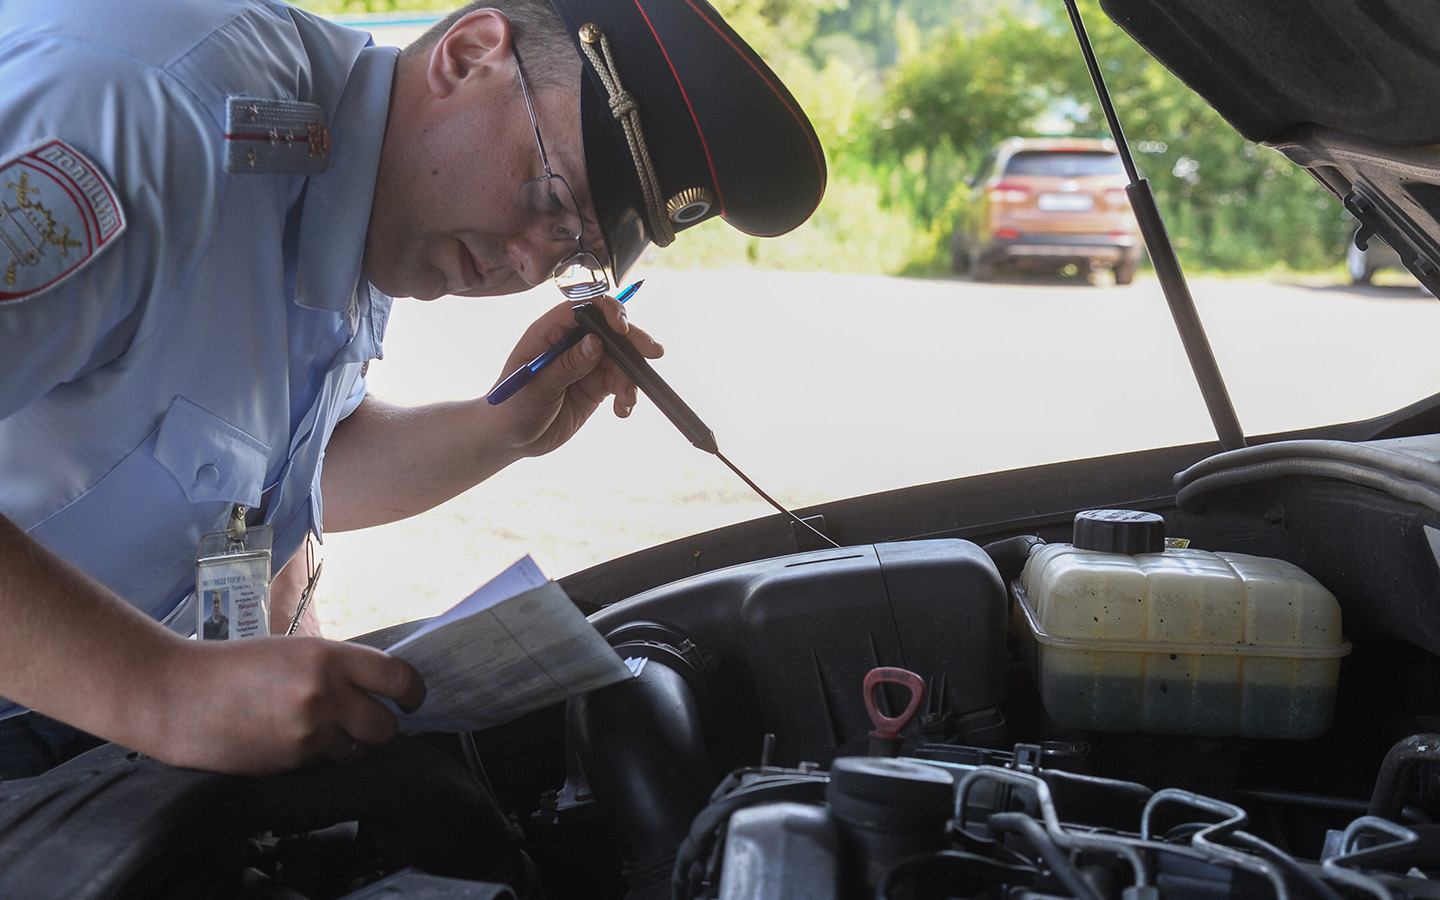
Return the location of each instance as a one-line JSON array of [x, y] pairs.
[[203, 358]]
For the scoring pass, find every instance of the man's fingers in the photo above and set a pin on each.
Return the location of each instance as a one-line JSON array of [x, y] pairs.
[[365, 719], [377, 672], [647, 345], [360, 718]]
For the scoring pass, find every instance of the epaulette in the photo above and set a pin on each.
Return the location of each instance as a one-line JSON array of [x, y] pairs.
[[275, 137]]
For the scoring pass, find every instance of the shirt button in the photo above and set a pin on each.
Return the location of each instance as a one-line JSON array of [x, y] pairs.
[[207, 475]]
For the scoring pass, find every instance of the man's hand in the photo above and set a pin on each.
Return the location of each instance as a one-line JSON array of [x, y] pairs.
[[549, 410], [266, 705], [75, 651]]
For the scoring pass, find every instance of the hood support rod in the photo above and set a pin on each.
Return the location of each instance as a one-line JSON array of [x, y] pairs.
[[1167, 266]]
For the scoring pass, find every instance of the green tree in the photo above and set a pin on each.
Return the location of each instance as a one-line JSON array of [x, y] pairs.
[[951, 97]]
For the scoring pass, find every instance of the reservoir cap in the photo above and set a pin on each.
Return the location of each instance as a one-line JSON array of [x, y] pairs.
[[1119, 531]]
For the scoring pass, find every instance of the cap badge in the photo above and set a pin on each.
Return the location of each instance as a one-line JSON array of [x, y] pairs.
[[690, 205]]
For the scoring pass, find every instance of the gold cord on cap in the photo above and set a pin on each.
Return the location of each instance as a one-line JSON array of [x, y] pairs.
[[623, 108]]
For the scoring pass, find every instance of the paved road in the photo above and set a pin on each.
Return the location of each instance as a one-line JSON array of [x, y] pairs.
[[824, 386]]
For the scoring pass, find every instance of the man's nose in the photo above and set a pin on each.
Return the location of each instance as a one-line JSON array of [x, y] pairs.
[[535, 259]]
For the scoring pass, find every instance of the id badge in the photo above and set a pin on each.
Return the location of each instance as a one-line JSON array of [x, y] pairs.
[[232, 582]]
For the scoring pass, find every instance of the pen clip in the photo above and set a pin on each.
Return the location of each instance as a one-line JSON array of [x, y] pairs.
[[312, 572]]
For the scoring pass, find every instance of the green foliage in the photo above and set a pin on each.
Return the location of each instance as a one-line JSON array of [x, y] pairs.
[[950, 99], [338, 7], [850, 232]]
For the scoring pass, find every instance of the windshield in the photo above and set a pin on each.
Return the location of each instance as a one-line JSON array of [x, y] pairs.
[[1064, 164], [824, 383]]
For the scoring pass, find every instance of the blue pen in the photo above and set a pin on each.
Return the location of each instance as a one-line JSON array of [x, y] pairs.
[[523, 375]]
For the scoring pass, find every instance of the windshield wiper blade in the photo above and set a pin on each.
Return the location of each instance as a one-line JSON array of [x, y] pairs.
[[1167, 266]]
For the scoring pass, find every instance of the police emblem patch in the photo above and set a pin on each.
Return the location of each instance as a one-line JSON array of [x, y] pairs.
[[57, 211]]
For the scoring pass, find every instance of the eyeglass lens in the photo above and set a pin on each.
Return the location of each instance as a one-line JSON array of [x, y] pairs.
[[549, 197], [581, 277]]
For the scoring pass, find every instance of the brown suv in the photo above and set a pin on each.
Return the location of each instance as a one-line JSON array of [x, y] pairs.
[[1046, 203]]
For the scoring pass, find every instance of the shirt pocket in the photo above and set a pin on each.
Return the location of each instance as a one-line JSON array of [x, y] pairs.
[[209, 458], [137, 528]]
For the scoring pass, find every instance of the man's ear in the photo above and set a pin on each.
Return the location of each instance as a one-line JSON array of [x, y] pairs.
[[476, 44]]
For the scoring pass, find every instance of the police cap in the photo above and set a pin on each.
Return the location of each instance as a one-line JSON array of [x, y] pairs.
[[682, 121]]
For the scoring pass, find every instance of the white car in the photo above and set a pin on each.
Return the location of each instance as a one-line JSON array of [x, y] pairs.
[[1363, 264]]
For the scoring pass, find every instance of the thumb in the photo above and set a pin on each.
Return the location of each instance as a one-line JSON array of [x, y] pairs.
[[582, 360], [380, 673]]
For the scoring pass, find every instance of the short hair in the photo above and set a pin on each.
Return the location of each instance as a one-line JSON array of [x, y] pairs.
[[551, 60]]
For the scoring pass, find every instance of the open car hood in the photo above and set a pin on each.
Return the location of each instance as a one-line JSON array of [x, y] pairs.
[[1347, 90]]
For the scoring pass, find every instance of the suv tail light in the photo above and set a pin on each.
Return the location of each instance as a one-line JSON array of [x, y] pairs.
[[1009, 192]]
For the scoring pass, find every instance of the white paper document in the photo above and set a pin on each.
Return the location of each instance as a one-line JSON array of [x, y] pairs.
[[514, 646]]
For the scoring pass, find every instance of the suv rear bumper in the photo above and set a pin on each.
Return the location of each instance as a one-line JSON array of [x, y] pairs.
[[1101, 249]]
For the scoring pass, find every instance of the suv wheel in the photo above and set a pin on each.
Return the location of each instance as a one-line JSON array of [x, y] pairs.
[[981, 269]]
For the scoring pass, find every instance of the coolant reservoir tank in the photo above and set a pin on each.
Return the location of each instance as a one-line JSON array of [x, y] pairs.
[[1126, 635]]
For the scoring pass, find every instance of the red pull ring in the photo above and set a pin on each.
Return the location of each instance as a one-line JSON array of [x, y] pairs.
[[886, 726]]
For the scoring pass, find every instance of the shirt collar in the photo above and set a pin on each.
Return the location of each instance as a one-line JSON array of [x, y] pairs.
[[336, 211]]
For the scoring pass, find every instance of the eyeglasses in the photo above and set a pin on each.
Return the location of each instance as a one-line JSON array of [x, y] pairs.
[[580, 275]]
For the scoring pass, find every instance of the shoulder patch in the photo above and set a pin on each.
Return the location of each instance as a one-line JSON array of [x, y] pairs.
[[57, 211]]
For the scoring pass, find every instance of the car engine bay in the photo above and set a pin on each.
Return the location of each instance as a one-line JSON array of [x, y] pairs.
[[868, 722]]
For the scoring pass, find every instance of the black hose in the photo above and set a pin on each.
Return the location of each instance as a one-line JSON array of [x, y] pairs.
[[642, 747], [1397, 776]]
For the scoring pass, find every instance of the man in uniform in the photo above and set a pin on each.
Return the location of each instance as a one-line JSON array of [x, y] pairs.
[[205, 208], [217, 627]]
